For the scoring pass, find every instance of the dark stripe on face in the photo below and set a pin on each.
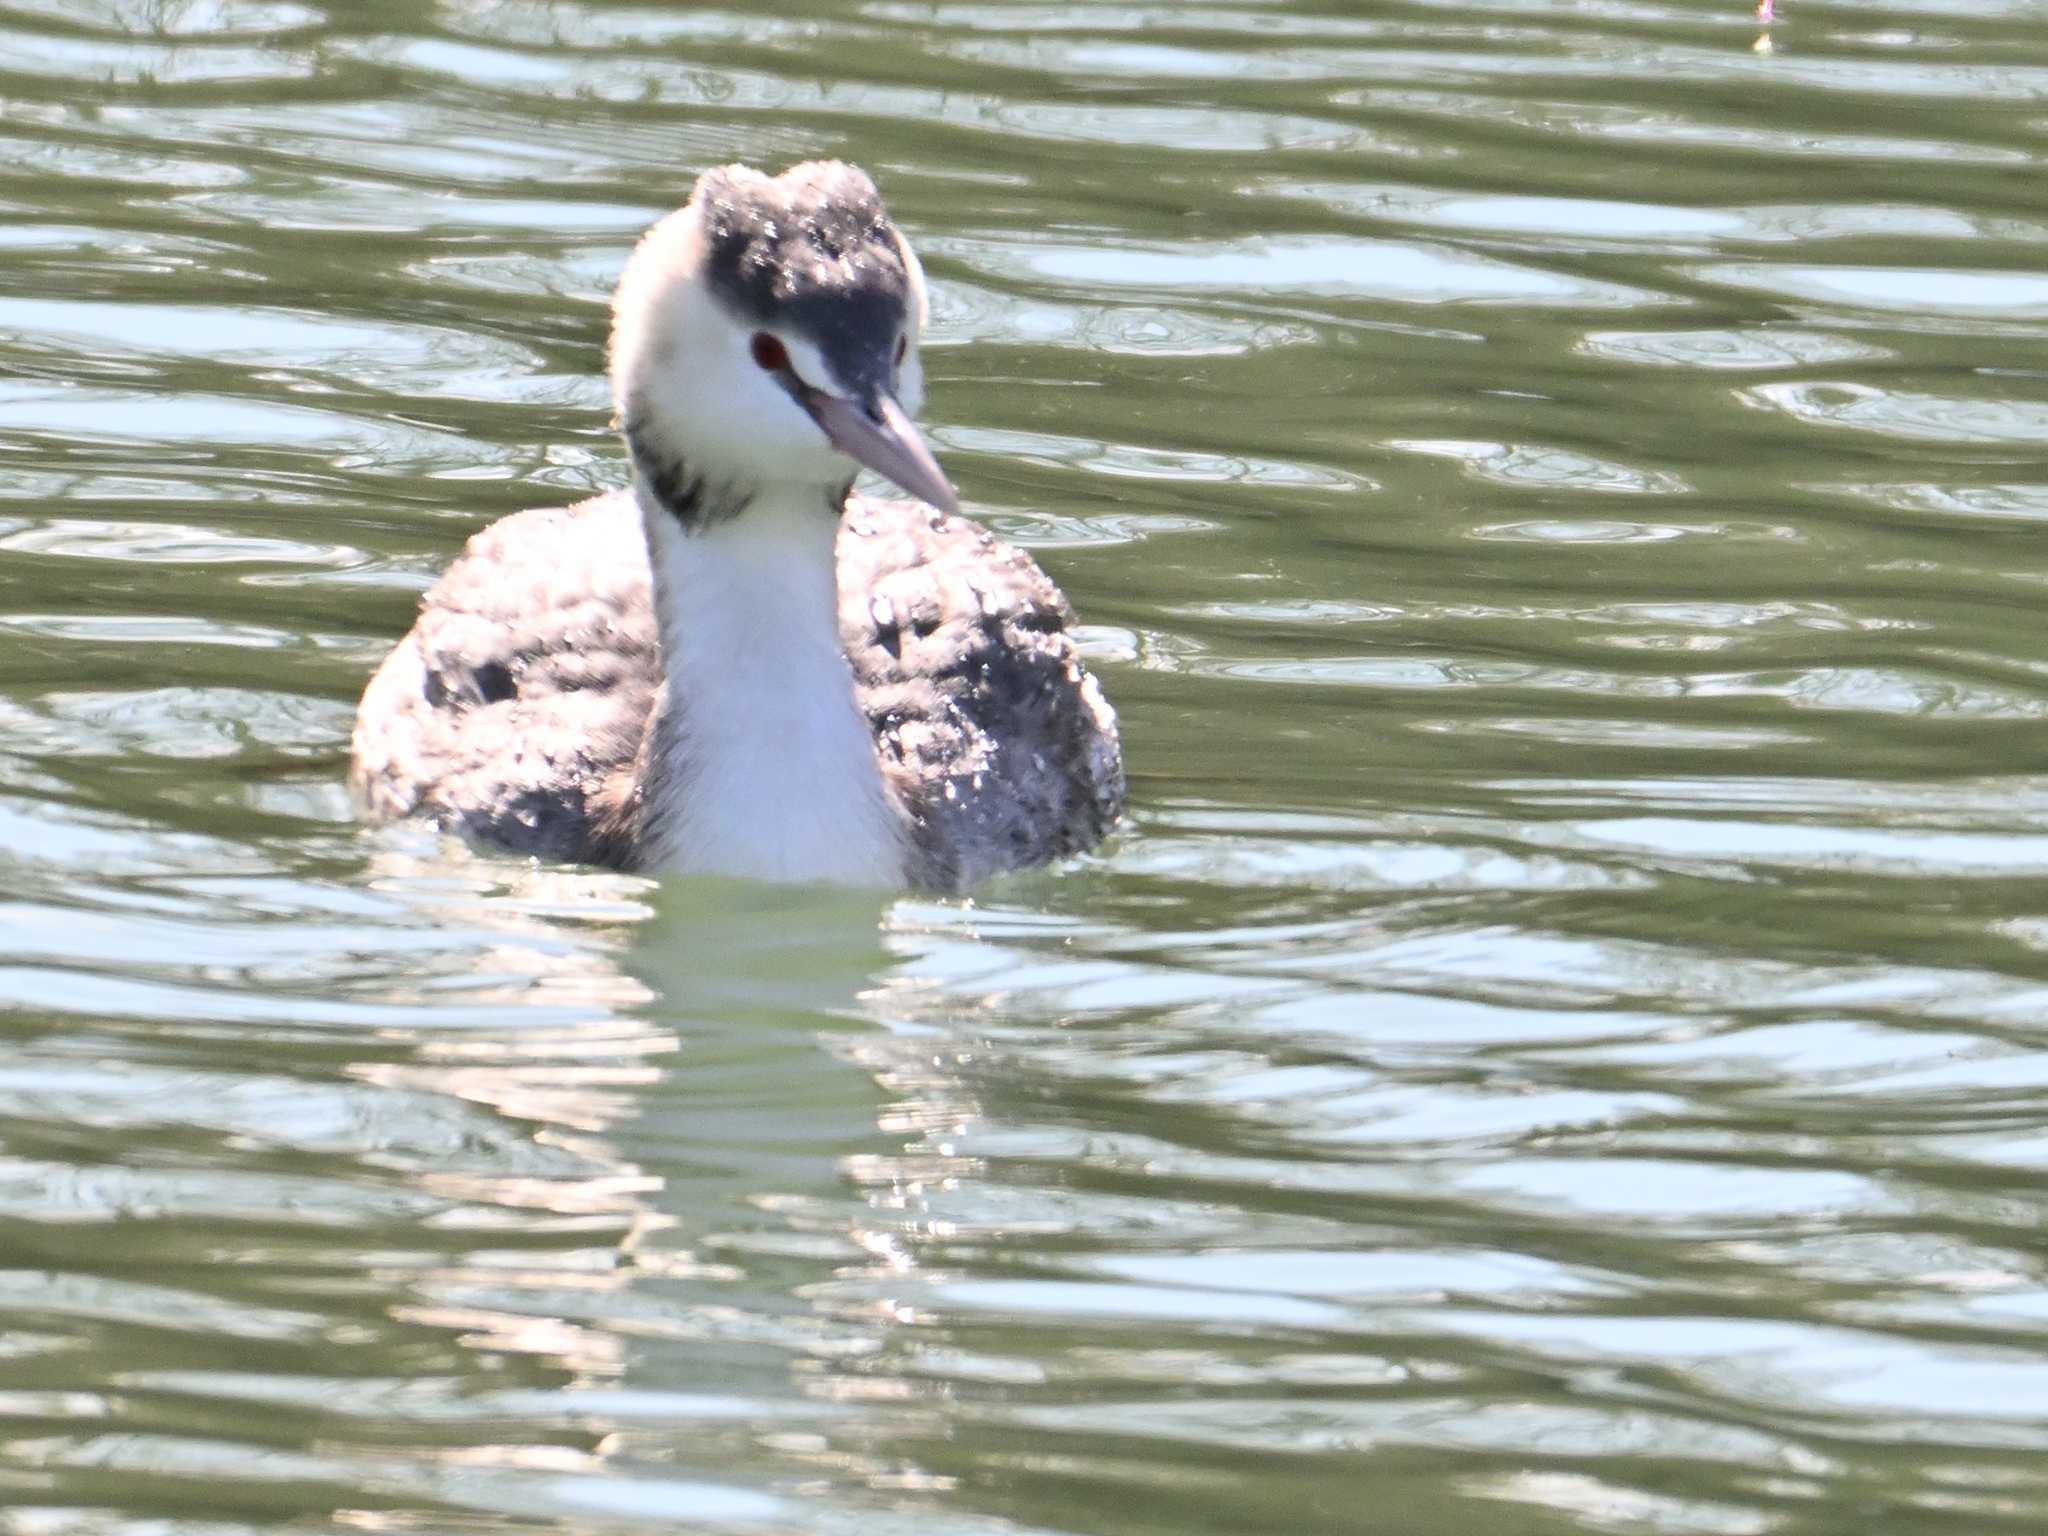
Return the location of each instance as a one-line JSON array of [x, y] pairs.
[[810, 253]]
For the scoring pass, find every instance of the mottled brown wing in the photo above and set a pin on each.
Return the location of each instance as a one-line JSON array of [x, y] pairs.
[[516, 709], [513, 710], [993, 736]]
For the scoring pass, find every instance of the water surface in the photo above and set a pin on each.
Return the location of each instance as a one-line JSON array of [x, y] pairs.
[[1556, 494]]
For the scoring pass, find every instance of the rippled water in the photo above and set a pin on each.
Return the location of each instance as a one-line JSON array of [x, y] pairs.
[[1557, 493]]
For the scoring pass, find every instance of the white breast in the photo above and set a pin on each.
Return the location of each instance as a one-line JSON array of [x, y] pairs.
[[774, 774]]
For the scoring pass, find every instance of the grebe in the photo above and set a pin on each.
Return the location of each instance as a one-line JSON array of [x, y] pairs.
[[737, 666]]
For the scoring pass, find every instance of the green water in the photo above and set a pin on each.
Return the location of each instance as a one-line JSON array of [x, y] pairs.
[[1557, 495]]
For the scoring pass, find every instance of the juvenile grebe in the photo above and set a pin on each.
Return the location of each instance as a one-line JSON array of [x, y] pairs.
[[737, 666]]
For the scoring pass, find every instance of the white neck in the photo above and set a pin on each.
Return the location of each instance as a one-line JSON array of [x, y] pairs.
[[764, 766]]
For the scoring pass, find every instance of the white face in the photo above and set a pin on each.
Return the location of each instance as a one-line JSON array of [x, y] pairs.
[[686, 372]]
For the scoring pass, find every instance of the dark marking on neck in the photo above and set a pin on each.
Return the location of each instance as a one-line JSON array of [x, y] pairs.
[[687, 496], [674, 486]]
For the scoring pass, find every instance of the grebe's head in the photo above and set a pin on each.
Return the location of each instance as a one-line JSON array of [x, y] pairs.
[[765, 335]]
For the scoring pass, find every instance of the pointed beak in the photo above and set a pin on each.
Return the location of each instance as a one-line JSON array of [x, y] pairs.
[[883, 438]]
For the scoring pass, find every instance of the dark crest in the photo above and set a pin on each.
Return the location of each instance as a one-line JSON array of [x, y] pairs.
[[811, 251]]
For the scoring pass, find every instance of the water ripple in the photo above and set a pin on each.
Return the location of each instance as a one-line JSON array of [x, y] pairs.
[[1325, 267], [1758, 350], [1533, 465], [1991, 295], [1905, 418]]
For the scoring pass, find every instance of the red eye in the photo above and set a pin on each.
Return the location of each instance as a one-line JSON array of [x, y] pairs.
[[769, 354], [902, 349]]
